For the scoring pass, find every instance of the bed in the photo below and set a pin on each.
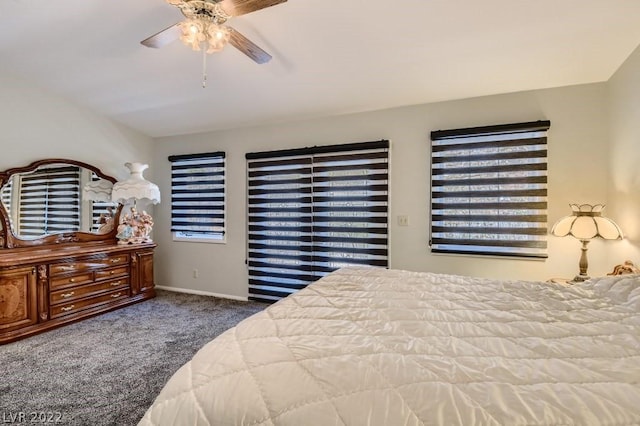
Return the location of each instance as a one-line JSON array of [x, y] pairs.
[[391, 347]]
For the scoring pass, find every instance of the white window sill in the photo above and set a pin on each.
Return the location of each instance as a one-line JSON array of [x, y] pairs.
[[199, 239]]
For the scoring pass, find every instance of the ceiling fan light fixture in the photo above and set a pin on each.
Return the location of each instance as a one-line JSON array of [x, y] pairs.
[[201, 34], [217, 37], [203, 28]]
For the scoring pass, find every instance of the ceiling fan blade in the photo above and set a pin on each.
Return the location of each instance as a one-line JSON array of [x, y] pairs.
[[248, 47], [162, 38], [242, 7]]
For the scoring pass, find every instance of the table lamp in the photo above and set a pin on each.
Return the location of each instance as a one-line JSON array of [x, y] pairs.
[[100, 191], [135, 226], [586, 222]]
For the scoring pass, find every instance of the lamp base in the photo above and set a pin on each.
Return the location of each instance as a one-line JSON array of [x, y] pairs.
[[580, 278], [583, 264]]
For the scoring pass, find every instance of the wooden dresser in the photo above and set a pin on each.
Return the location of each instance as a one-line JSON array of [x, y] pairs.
[[46, 287]]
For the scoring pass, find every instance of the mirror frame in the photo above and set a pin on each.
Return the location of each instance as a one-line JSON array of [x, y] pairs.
[[8, 240]]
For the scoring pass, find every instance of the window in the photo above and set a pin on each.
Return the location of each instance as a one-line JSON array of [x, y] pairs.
[[489, 190], [312, 211], [198, 197], [49, 201]]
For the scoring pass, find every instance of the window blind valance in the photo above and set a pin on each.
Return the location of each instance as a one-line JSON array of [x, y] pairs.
[[322, 149], [489, 190]]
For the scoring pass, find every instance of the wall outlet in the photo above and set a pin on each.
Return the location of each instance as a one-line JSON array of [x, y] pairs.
[[403, 220], [196, 274]]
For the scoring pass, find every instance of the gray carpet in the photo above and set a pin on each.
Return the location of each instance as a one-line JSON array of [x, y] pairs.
[[107, 370]]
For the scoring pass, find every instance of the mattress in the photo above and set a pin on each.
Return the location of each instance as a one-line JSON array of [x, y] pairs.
[[369, 346]]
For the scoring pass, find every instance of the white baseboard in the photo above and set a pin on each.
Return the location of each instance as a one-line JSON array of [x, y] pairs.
[[202, 293]]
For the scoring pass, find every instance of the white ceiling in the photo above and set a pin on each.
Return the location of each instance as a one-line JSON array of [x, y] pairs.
[[329, 56]]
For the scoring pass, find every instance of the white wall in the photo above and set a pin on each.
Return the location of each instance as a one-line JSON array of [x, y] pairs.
[[589, 161], [578, 172], [624, 161], [35, 124]]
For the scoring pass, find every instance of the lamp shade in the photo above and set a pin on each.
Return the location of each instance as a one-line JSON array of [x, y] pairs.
[[97, 190], [136, 187], [586, 222]]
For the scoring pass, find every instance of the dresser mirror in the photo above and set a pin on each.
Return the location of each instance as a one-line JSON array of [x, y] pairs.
[[54, 201]]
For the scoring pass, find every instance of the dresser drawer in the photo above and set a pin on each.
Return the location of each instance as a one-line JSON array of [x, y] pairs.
[[114, 260], [64, 296], [71, 267], [112, 272], [79, 305], [88, 265], [72, 280]]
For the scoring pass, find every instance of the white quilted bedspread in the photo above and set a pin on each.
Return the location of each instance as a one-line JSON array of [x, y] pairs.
[[367, 346]]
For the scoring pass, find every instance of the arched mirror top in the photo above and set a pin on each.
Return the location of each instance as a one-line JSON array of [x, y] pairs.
[[55, 201]]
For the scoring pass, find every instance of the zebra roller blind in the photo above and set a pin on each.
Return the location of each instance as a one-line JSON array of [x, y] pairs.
[[6, 194], [49, 201], [312, 211], [198, 195], [489, 190]]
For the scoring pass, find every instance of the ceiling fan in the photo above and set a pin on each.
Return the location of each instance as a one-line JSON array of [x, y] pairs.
[[204, 27]]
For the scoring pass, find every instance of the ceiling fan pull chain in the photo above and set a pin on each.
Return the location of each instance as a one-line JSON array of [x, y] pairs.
[[204, 68]]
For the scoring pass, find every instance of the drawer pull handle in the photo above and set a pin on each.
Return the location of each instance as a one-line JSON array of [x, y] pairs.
[[67, 295], [112, 272], [67, 267], [116, 260], [67, 308], [116, 295], [116, 283], [72, 280]]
